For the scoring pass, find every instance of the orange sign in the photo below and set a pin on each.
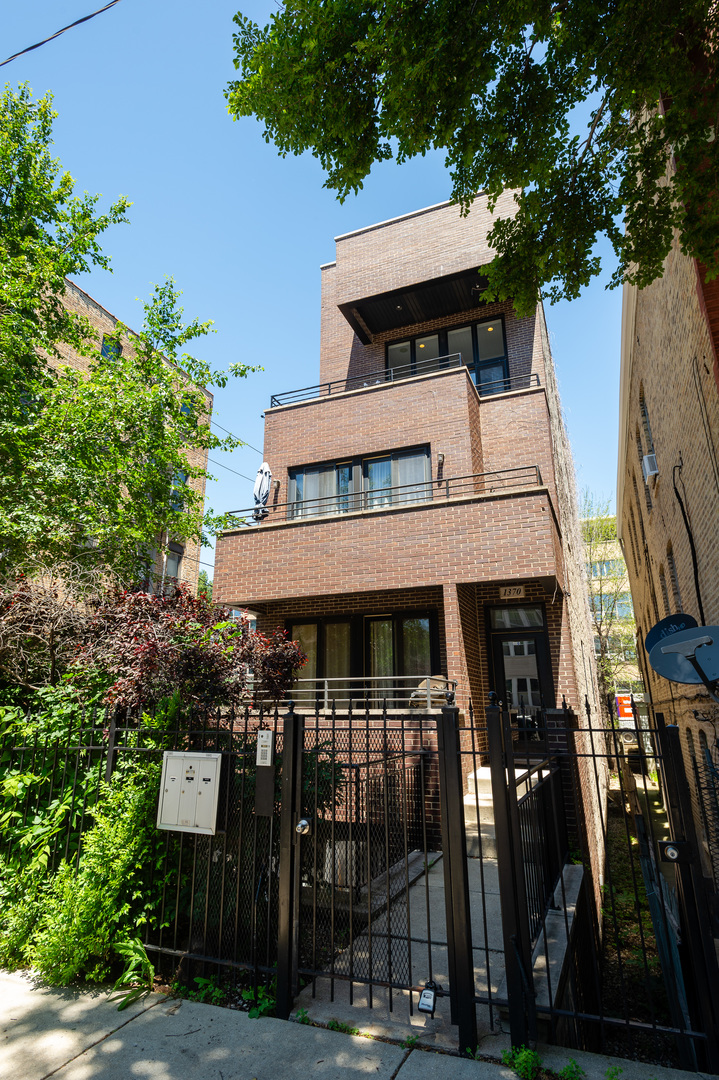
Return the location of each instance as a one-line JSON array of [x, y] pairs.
[[624, 707]]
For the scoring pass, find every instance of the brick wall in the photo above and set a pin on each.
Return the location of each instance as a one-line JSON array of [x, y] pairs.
[[418, 247], [441, 410], [516, 432], [668, 357], [491, 538]]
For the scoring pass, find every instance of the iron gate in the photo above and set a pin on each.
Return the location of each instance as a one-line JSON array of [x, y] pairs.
[[523, 867]]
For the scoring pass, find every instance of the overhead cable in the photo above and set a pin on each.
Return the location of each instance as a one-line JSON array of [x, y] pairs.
[[57, 33], [243, 441], [231, 470]]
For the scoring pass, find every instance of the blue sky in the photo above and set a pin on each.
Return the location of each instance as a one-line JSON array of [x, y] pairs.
[[139, 92]]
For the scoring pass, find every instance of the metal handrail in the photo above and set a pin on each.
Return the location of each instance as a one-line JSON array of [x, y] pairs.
[[403, 691], [400, 495], [503, 386], [396, 374], [371, 378]]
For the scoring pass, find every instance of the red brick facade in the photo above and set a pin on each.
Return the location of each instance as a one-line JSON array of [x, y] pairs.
[[450, 554]]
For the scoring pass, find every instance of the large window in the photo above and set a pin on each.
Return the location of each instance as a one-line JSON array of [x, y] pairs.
[[362, 483], [366, 657], [481, 345]]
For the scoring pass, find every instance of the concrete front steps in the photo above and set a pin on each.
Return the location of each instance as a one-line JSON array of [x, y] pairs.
[[479, 815]]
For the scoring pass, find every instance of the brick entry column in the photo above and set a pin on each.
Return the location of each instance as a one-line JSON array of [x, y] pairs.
[[456, 653]]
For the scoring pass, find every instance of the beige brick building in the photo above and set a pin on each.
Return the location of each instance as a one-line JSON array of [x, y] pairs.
[[422, 520], [173, 559], [669, 408]]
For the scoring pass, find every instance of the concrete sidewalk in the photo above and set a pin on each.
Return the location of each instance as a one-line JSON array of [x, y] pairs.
[[74, 1035]]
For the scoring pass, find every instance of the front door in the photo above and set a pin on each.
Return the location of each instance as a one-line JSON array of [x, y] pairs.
[[520, 658]]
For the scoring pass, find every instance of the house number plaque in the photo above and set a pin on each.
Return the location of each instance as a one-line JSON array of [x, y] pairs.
[[511, 592]]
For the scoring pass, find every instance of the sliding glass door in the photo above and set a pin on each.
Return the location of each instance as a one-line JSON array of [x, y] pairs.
[[372, 659]]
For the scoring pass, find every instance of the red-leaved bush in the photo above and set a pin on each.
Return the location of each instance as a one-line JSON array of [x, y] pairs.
[[153, 646]]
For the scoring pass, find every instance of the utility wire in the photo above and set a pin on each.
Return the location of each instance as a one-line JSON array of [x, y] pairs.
[[243, 441], [231, 470], [77, 22]]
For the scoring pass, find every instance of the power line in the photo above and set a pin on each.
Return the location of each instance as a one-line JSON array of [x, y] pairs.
[[231, 470], [243, 441], [77, 22]]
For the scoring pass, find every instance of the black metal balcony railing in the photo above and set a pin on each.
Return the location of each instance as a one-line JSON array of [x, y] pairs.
[[395, 374], [439, 490]]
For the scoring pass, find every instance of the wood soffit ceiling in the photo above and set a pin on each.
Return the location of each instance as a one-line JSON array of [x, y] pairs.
[[452, 294]]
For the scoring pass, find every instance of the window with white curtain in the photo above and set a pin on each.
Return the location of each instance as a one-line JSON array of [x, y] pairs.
[[363, 483]]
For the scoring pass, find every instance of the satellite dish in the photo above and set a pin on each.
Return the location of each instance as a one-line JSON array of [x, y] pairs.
[[669, 655], [673, 624]]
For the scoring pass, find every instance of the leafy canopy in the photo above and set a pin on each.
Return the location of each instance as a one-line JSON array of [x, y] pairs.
[[500, 86], [106, 463]]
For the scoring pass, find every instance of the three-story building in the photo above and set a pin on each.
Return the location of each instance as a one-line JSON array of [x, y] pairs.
[[421, 530]]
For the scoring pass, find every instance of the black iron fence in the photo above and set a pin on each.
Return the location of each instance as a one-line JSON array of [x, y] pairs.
[[545, 873]]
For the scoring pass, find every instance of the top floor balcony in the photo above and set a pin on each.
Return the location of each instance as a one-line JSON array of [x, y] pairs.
[[488, 383]]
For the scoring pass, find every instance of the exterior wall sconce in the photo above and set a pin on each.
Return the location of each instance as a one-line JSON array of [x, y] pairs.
[[276, 485], [440, 460]]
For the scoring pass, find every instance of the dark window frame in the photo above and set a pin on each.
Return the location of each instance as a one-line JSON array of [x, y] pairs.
[[111, 347], [476, 364], [539, 634], [354, 499], [359, 638]]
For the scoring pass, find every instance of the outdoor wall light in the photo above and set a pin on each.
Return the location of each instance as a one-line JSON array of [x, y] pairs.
[[276, 485], [440, 459]]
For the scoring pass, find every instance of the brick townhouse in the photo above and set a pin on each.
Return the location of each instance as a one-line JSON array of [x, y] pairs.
[[422, 520], [173, 559], [668, 492]]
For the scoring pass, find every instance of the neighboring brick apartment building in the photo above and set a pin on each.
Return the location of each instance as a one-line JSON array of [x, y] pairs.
[[668, 467], [423, 518], [180, 560]]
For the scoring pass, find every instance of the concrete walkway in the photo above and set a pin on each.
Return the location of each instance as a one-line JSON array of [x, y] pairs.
[[81, 1036]]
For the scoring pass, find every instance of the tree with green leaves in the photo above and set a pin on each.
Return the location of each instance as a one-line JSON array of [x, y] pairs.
[[97, 465], [501, 86], [610, 603], [204, 585]]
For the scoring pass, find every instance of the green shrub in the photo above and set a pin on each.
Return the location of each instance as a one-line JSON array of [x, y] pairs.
[[525, 1062], [572, 1071], [84, 912]]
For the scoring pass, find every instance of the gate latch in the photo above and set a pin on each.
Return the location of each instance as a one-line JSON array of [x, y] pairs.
[[675, 851], [302, 827]]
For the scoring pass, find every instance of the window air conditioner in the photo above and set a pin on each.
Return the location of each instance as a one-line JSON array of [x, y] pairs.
[[649, 466]]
